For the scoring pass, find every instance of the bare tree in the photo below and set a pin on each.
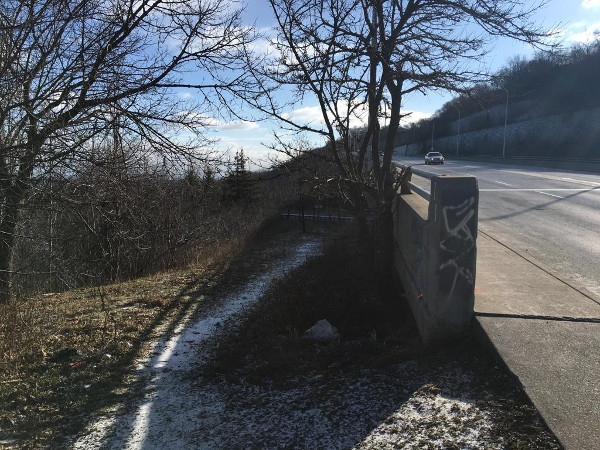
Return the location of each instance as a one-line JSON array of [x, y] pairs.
[[71, 70], [360, 58]]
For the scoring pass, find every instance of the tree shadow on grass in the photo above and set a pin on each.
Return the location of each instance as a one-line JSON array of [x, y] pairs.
[[159, 390]]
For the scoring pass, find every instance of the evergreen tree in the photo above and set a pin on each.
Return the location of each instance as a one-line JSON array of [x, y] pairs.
[[239, 186], [208, 181]]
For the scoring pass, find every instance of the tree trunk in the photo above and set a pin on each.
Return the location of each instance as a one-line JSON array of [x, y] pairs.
[[8, 226], [5, 252], [384, 242], [13, 195]]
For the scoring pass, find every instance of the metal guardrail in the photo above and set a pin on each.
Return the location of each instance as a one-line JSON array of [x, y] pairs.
[[422, 173], [419, 190], [408, 186]]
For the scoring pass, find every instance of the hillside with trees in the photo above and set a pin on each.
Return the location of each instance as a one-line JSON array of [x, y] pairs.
[[88, 111], [553, 95]]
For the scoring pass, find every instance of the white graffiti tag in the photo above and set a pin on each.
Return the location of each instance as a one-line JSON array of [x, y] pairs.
[[458, 242]]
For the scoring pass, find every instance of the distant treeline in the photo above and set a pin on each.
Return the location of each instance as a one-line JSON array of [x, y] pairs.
[[550, 84], [119, 216], [122, 214]]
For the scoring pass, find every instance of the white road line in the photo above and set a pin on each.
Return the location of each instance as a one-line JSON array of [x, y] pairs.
[[551, 195], [555, 178], [537, 190], [500, 182]]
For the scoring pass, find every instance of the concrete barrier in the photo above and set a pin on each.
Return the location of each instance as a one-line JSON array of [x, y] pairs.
[[435, 253]]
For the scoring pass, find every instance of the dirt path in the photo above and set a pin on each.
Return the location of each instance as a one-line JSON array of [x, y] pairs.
[[170, 402]]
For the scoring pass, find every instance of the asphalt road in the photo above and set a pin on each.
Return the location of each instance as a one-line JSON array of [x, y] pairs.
[[550, 216]]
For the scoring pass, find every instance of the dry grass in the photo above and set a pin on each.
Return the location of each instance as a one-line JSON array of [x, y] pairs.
[[65, 356]]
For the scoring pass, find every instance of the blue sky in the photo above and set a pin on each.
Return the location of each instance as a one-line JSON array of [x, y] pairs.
[[574, 20]]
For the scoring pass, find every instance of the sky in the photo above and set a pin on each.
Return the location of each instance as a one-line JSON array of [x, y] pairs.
[[573, 20]]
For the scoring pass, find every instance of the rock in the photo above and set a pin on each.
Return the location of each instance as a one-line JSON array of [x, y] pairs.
[[322, 331]]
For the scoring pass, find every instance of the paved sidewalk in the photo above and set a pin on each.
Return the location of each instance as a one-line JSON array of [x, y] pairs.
[[548, 334]]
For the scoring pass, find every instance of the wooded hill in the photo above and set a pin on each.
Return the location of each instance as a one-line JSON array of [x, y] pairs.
[[551, 105]]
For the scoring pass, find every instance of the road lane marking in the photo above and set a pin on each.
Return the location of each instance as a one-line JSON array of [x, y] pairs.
[[555, 178], [551, 195], [537, 190], [504, 184]]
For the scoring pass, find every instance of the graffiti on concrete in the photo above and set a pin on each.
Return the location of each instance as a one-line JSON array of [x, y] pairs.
[[457, 244]]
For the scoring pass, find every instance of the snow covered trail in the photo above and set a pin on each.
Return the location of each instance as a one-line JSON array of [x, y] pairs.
[[169, 409]]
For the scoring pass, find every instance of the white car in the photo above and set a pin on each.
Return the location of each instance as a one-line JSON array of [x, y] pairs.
[[434, 158]]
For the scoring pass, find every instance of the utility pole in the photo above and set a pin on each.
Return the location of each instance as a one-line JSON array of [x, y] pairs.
[[505, 123], [458, 129]]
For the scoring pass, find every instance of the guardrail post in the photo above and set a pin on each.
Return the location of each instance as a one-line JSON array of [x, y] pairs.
[[406, 176], [453, 215]]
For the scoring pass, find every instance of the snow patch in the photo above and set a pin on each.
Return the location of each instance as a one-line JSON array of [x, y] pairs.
[[171, 404]]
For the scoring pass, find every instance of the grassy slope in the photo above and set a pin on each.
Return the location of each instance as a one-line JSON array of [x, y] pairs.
[[65, 356]]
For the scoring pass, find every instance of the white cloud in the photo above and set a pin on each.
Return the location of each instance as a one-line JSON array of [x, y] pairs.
[[312, 115], [240, 125], [202, 120], [413, 116], [307, 114], [265, 43], [243, 125], [587, 4], [585, 33], [262, 47]]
